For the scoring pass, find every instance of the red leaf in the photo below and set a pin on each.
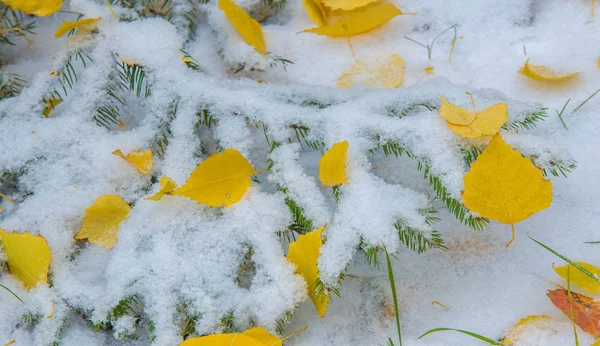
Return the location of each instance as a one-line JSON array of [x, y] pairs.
[[586, 311]]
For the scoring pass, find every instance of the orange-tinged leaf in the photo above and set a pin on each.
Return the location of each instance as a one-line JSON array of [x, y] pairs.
[[28, 256], [40, 8], [167, 185], [256, 336], [332, 166], [220, 180], [83, 26], [505, 186], [246, 26], [586, 311], [359, 21], [469, 124], [543, 73], [141, 160], [304, 253], [387, 72], [346, 5], [579, 278], [315, 11], [102, 220], [525, 325]]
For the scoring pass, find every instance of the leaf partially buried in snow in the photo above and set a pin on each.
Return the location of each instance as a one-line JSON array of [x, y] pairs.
[[83, 26], [246, 26], [27, 255], [220, 180], [469, 124], [332, 166], [167, 185], [527, 325], [102, 220], [141, 160], [579, 278], [39, 8], [51, 103], [386, 72], [505, 186], [304, 253], [543, 73], [315, 11], [586, 311], [359, 21], [256, 336], [346, 5]]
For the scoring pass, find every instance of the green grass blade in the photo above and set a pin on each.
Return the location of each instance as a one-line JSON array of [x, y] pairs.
[[591, 242], [13, 293], [583, 270], [476, 336], [394, 297]]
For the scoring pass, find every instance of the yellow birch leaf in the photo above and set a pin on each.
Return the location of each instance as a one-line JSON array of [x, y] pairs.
[[50, 105], [525, 325], [543, 73], [596, 343], [304, 253], [388, 72], [83, 26], [256, 336], [141, 160], [346, 5], [580, 279], [246, 26], [359, 21], [220, 180], [332, 166], [102, 220], [167, 185], [505, 186], [469, 124], [40, 8], [27, 255], [315, 11]]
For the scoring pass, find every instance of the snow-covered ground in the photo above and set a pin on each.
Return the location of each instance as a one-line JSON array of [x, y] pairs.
[[181, 259]]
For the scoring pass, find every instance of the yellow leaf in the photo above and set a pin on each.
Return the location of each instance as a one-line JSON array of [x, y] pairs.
[[141, 160], [525, 325], [315, 11], [388, 72], [102, 220], [246, 26], [220, 180], [346, 5], [83, 26], [28, 256], [505, 186], [40, 8], [256, 336], [469, 124], [359, 21], [167, 185], [543, 73], [596, 343], [580, 279], [332, 166], [429, 70], [50, 105], [304, 253]]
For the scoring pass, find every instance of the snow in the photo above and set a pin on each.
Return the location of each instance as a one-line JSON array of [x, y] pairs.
[[180, 259]]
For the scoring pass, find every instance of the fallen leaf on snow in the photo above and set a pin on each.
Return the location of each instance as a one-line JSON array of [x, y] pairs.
[[40, 8], [578, 278], [505, 186], [346, 5], [304, 253], [141, 160], [526, 325], [102, 220], [388, 72], [543, 73], [332, 166], [83, 26], [469, 124], [220, 180], [315, 11], [586, 311], [27, 255], [256, 336], [167, 185], [246, 26]]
